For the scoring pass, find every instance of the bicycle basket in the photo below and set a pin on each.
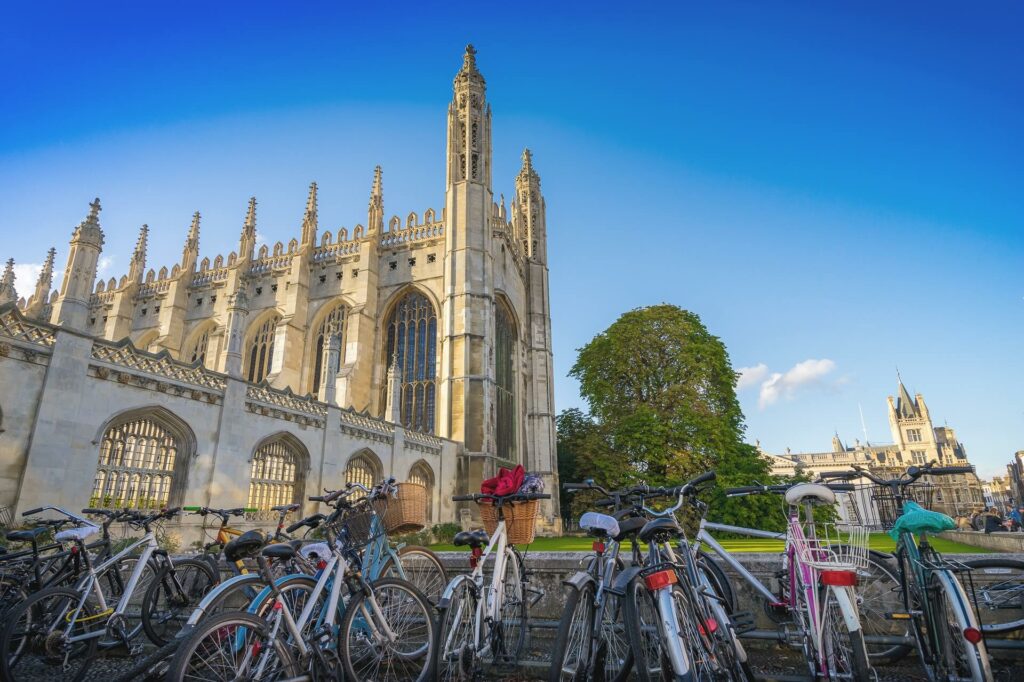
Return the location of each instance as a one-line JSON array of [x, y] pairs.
[[828, 547], [357, 528], [520, 520], [407, 511]]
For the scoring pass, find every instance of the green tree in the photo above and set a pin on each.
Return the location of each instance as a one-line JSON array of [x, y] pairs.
[[662, 393]]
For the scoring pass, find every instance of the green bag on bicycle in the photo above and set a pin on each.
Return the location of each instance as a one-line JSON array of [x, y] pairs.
[[916, 519]]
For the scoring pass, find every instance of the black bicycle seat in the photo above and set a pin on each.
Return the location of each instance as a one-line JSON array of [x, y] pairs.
[[244, 546], [660, 527], [26, 535], [629, 527], [281, 550], [473, 538]]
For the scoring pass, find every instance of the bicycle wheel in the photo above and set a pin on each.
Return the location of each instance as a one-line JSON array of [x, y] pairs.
[[728, 648], [879, 595], [369, 652], [718, 579], [114, 581], [232, 646], [570, 659], [172, 595], [954, 656], [295, 593], [614, 652], [422, 568], [455, 657], [35, 640], [998, 594], [510, 635], [845, 653], [641, 617], [13, 591]]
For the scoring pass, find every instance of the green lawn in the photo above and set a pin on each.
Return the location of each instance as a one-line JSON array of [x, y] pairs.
[[879, 541]]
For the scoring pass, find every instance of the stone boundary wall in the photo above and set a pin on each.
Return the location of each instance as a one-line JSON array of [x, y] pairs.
[[999, 542]]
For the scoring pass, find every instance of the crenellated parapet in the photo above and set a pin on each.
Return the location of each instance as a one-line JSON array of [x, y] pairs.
[[414, 230]]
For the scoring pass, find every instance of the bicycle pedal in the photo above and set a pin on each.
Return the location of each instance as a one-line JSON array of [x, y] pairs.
[[743, 621]]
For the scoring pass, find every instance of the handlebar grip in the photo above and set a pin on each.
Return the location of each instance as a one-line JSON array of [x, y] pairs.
[[30, 512], [463, 498], [840, 474], [191, 509], [172, 511], [295, 526], [90, 510], [604, 502], [841, 487], [941, 471], [703, 478], [538, 496], [745, 490], [576, 486], [316, 498]]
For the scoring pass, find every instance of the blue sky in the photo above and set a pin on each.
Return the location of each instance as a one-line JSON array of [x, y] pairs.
[[837, 191]]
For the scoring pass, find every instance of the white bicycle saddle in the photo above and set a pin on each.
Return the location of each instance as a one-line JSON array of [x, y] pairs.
[[77, 533], [799, 493], [602, 522]]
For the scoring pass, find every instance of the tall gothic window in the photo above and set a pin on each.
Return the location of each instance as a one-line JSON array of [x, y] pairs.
[[198, 351], [363, 469], [335, 318], [136, 467], [412, 343], [261, 350], [505, 383], [421, 473], [277, 476]]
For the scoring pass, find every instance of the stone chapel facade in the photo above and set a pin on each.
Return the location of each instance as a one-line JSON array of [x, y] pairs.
[[418, 347]]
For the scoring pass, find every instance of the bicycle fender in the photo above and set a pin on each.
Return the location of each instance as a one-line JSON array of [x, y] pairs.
[[200, 611], [846, 601], [578, 580], [446, 596], [623, 579]]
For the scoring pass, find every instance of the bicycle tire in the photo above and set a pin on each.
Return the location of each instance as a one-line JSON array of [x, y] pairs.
[[33, 642], [454, 656], [512, 630], [718, 578], [955, 657], [223, 630], [641, 616], [195, 579], [431, 579], [153, 667], [390, 594], [12, 592], [879, 594], [727, 641], [845, 652], [998, 591], [572, 654]]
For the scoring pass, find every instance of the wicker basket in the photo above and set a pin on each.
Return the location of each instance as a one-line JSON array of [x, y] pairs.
[[407, 513], [520, 520]]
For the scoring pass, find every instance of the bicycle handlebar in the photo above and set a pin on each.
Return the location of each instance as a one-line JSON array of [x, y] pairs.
[[516, 497], [30, 512]]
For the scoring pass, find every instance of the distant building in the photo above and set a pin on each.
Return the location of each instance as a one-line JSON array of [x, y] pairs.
[[915, 441], [1015, 476], [997, 492]]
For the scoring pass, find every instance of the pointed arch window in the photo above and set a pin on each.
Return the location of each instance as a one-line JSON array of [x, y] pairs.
[[277, 476], [363, 469], [422, 473], [198, 351], [260, 354], [137, 465], [334, 320], [412, 347], [505, 383]]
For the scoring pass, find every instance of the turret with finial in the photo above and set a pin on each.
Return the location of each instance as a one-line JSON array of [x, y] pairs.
[[309, 218], [7, 292], [375, 218], [247, 242]]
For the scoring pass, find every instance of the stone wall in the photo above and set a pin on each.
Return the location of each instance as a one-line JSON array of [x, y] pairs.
[[997, 542]]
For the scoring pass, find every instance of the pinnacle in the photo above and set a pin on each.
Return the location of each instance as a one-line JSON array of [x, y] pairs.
[[378, 184], [469, 68], [250, 216]]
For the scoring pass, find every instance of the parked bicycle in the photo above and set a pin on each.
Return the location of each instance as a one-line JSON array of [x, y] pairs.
[[938, 607], [486, 622]]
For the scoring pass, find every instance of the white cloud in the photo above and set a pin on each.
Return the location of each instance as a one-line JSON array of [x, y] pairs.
[[260, 239], [799, 376], [25, 277], [104, 265], [751, 376]]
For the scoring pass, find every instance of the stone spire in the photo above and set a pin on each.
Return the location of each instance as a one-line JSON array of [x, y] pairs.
[[469, 70], [7, 292], [469, 127], [43, 286], [89, 230], [72, 306], [309, 219], [530, 210], [375, 219], [190, 254], [247, 242], [137, 266]]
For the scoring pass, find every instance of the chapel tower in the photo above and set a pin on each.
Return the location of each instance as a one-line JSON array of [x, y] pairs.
[[72, 306]]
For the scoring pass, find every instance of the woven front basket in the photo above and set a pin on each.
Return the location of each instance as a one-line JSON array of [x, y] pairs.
[[407, 513], [520, 520]]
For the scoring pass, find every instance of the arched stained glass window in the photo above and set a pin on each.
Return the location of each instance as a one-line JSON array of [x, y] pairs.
[[363, 469], [261, 350], [505, 383], [277, 476], [422, 473], [336, 320], [412, 343], [198, 351], [136, 467]]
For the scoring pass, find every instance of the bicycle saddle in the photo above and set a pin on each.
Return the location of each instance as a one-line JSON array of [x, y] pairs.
[[245, 545], [26, 535], [281, 550], [80, 533], [629, 527], [473, 538], [659, 527], [599, 525], [810, 491]]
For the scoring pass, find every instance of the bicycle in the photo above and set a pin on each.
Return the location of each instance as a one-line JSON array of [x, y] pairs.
[[479, 621], [950, 640], [678, 624], [817, 597], [591, 641], [63, 627], [386, 631]]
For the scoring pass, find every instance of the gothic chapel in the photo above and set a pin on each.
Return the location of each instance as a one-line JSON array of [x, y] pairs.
[[418, 347]]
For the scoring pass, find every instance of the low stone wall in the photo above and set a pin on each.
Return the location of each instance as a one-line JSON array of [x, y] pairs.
[[999, 542]]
